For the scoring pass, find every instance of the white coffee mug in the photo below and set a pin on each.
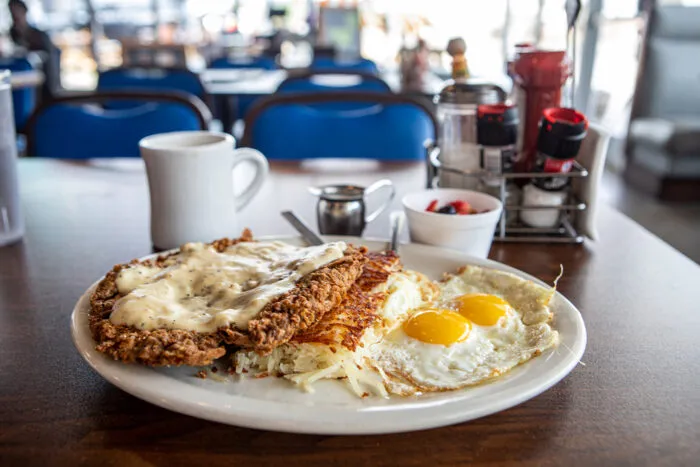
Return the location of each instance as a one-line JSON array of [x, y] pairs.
[[191, 185]]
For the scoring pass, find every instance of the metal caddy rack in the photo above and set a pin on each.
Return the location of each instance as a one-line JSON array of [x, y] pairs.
[[565, 232]]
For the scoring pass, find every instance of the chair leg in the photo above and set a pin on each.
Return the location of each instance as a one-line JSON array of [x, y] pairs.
[[228, 115]]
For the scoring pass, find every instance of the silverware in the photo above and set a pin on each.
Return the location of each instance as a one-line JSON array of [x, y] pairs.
[[396, 220], [341, 208], [308, 234]]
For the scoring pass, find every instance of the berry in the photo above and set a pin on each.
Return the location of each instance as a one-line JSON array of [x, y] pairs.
[[462, 207], [432, 207], [448, 209]]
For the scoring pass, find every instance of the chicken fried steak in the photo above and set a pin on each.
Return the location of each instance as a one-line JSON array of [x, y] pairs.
[[263, 320]]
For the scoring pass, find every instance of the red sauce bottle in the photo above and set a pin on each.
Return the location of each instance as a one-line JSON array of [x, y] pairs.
[[538, 77]]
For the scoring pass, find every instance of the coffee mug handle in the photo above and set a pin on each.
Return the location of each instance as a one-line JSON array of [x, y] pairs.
[[379, 184], [261, 168]]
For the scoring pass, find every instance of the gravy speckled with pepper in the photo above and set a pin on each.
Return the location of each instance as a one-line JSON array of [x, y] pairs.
[[200, 289]]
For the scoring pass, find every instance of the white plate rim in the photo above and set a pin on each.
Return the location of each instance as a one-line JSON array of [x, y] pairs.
[[416, 414]]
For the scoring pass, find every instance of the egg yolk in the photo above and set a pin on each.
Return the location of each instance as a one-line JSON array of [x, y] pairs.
[[437, 326], [482, 309]]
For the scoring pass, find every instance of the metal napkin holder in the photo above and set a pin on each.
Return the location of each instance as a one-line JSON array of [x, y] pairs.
[[565, 232]]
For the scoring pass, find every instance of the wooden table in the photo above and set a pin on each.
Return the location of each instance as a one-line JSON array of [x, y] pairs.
[[635, 402]]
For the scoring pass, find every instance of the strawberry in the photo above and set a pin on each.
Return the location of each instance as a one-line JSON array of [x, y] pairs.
[[462, 207], [432, 207]]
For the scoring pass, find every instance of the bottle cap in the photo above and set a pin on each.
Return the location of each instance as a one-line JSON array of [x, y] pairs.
[[561, 133], [497, 124]]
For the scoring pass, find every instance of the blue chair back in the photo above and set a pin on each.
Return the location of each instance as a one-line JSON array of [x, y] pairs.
[[152, 79], [265, 63], [79, 128], [360, 65], [23, 100], [333, 81], [388, 127]]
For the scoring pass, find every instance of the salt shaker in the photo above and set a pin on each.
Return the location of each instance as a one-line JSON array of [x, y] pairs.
[[11, 221]]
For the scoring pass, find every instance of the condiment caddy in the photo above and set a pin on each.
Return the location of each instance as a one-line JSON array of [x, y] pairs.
[[523, 150], [510, 227]]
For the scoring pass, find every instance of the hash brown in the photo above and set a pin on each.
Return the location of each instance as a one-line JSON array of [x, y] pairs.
[[345, 324]]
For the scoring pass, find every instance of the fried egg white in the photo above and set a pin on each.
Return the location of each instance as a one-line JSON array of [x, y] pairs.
[[483, 323]]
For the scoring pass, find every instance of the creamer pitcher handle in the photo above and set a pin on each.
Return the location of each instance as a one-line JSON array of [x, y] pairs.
[[261, 168], [378, 185]]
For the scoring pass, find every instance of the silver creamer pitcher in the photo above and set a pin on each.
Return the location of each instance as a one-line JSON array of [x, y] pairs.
[[341, 208]]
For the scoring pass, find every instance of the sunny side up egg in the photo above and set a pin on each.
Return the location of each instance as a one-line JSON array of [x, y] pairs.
[[483, 323]]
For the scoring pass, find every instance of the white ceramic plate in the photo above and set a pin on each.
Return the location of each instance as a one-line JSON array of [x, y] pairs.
[[276, 404]]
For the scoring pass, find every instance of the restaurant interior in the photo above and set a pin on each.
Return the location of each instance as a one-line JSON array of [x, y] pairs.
[[557, 140]]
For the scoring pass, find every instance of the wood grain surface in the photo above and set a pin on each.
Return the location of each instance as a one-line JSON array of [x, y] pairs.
[[636, 401]]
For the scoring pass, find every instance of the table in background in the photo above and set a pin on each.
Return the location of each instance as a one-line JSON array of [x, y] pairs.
[[241, 81], [225, 84], [260, 82], [635, 402]]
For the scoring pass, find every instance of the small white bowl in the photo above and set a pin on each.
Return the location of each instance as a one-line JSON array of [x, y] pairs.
[[470, 233]]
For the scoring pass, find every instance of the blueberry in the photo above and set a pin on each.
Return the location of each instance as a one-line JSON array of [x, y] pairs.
[[449, 209]]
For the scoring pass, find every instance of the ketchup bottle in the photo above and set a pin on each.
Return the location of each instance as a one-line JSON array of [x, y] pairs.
[[539, 76]]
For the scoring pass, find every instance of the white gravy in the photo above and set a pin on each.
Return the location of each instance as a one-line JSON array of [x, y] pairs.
[[202, 290]]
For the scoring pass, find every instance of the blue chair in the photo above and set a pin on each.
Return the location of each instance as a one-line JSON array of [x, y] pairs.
[[23, 100], [78, 127], [360, 65], [328, 81], [151, 79], [389, 127]]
